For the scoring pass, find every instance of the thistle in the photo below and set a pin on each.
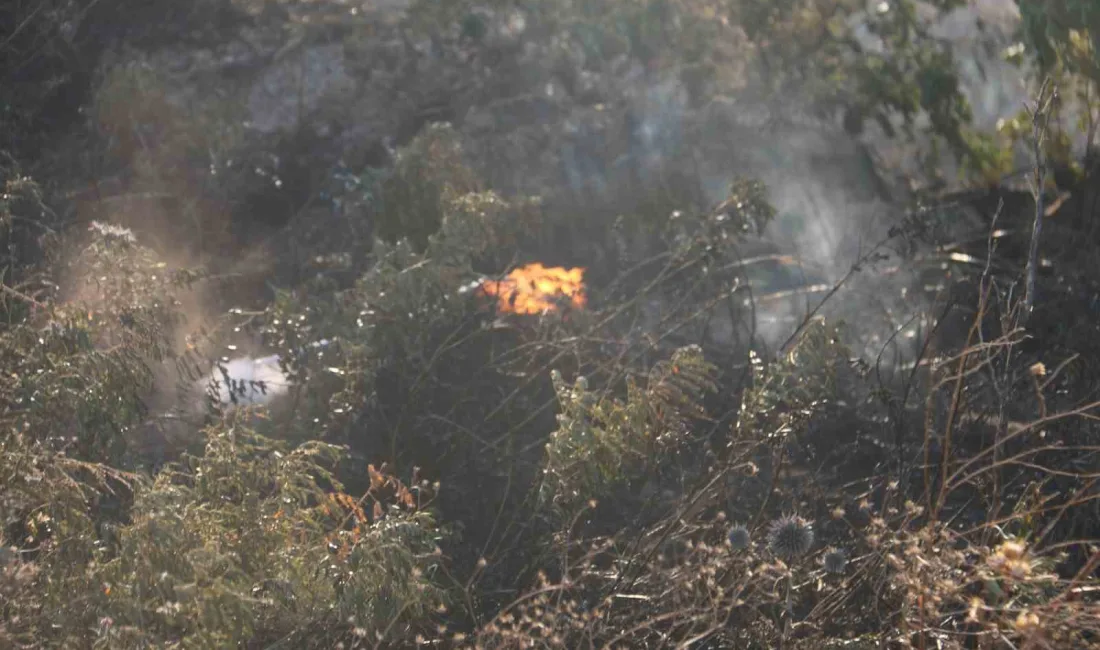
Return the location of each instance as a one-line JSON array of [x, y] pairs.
[[790, 536], [739, 537], [835, 560]]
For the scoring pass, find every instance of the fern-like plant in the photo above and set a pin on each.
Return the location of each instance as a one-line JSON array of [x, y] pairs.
[[601, 442]]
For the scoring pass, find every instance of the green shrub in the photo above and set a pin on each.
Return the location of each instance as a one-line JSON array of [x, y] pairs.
[[600, 442], [785, 394], [71, 406], [244, 545], [411, 199]]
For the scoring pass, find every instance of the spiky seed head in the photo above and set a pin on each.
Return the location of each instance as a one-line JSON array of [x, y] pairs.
[[790, 536], [739, 537], [835, 560]]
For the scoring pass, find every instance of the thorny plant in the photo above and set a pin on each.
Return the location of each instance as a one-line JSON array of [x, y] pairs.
[[938, 581]]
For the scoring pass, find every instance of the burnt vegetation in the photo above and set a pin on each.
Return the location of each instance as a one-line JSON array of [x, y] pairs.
[[599, 324]]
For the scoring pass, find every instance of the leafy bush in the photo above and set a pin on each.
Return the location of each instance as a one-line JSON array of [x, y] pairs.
[[72, 403], [600, 442], [785, 394], [243, 545], [426, 175]]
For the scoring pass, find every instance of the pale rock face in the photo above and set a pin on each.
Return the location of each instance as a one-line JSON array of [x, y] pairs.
[[293, 88], [994, 87]]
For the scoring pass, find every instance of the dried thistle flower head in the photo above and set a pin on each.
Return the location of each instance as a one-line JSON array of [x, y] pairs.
[[835, 560], [739, 537], [1013, 549], [790, 536], [1027, 623], [1011, 560]]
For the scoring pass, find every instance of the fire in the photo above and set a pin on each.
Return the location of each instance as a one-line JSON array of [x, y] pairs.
[[534, 289]]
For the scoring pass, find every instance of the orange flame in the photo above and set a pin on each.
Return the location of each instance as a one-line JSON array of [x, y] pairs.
[[534, 289]]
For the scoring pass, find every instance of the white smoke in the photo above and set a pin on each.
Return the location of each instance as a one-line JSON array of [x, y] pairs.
[[249, 381]]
